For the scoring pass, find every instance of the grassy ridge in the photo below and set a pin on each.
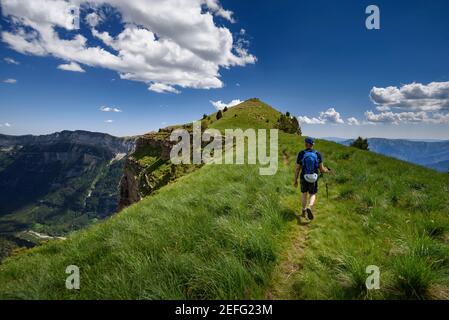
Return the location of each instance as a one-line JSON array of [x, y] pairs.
[[219, 233]]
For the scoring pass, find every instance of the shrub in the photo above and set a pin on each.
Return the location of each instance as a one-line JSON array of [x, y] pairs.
[[219, 114], [289, 124], [360, 143]]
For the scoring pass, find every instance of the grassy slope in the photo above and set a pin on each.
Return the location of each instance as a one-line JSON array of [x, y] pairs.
[[250, 114], [220, 232], [381, 212]]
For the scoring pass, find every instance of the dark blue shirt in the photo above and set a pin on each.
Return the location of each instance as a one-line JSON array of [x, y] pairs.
[[301, 157]]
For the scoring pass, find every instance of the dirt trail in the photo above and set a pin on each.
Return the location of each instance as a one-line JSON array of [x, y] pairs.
[[292, 254], [290, 264]]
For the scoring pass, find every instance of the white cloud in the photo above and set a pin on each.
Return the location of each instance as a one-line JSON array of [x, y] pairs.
[[163, 88], [329, 116], [93, 19], [10, 81], [215, 6], [219, 105], [11, 61], [332, 116], [407, 117], [72, 66], [440, 118], [410, 103], [412, 97], [7, 124], [307, 120], [165, 44], [352, 121], [109, 121], [110, 109]]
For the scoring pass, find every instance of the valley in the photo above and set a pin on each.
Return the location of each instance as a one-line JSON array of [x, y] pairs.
[[52, 185]]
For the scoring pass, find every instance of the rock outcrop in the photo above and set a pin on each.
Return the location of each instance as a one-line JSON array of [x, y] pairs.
[[149, 168]]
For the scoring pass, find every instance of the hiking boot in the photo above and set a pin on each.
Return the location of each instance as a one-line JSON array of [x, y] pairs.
[[303, 215], [309, 213]]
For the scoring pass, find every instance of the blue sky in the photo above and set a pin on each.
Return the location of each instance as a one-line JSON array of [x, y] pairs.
[[315, 59]]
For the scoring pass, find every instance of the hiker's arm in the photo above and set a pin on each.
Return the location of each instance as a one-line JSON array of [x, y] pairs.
[[297, 171], [323, 169]]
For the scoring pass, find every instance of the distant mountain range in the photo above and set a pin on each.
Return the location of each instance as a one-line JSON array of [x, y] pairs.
[[429, 153], [56, 183]]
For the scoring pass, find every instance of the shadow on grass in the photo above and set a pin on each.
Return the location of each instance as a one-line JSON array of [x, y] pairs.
[[288, 214]]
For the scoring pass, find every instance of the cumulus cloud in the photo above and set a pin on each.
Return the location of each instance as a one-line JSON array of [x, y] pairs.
[[167, 45], [307, 120], [109, 121], [11, 61], [395, 118], [430, 97], [407, 117], [72, 66], [352, 121], [410, 103], [219, 105], [6, 124], [10, 81], [110, 109], [329, 116]]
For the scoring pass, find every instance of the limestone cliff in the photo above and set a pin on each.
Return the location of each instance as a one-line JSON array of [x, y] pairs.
[[149, 168]]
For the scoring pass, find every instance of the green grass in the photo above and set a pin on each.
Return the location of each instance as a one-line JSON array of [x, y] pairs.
[[194, 239], [220, 232], [381, 212]]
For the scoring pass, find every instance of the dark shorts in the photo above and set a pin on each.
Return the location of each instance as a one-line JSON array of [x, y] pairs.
[[307, 187]]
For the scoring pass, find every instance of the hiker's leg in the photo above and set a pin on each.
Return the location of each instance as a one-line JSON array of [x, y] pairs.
[[312, 200], [304, 201]]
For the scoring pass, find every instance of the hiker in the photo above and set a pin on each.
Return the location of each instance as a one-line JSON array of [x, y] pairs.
[[309, 163]]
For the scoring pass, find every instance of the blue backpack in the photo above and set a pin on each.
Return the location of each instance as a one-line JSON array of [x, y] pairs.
[[310, 162]]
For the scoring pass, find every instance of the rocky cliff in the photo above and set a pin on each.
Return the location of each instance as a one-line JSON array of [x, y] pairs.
[[149, 168], [59, 182]]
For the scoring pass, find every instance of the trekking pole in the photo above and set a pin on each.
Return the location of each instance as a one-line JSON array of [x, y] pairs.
[[327, 186]]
